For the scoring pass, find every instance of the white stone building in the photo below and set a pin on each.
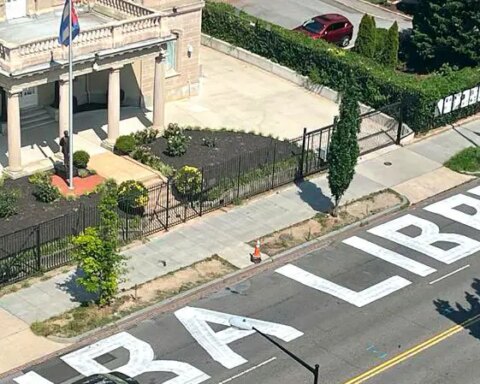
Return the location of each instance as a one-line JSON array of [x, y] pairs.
[[127, 54]]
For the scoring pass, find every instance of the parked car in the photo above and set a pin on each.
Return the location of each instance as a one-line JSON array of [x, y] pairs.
[[331, 27], [107, 378]]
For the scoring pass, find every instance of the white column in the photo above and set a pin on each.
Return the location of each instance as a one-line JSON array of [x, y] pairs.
[[113, 105], [159, 92], [13, 132], [63, 107]]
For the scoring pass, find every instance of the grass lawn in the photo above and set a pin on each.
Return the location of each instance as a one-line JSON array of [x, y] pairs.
[[467, 160]]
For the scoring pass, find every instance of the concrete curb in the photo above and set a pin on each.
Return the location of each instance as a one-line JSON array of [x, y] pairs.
[[406, 17], [199, 292], [304, 246]]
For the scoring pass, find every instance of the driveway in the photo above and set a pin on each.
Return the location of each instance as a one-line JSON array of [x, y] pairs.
[[291, 13]]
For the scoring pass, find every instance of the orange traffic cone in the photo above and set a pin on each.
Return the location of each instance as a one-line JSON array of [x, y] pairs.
[[256, 257]]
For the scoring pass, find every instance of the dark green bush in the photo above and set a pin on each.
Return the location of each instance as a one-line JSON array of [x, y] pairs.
[[80, 159], [8, 202], [366, 41], [125, 144], [338, 68], [44, 190], [177, 143]]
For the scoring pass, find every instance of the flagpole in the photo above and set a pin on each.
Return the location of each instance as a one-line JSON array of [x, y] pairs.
[[70, 97]]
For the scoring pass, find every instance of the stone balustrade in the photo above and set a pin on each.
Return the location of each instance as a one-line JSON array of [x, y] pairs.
[[126, 7], [15, 57]]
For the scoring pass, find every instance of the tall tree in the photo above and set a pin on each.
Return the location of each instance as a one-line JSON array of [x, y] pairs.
[[447, 32], [388, 54], [366, 38], [343, 151], [96, 250]]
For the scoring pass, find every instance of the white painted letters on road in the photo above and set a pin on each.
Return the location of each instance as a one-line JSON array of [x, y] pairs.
[[358, 299], [447, 209], [141, 360], [216, 343], [32, 378], [390, 256], [430, 234]]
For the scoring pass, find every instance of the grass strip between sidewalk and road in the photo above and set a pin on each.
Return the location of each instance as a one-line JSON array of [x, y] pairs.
[[323, 223], [465, 161], [90, 316]]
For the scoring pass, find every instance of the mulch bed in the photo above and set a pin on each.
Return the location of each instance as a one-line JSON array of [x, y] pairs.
[[229, 145], [32, 212]]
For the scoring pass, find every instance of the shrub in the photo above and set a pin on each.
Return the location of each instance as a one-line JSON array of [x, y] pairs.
[[338, 68], [125, 144], [132, 195], [8, 202], [80, 159], [177, 143], [145, 136], [82, 172], [365, 44], [172, 130], [44, 190], [188, 181], [145, 156], [388, 51], [210, 142]]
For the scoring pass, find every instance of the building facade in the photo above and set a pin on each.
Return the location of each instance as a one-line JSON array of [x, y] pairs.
[[128, 53]]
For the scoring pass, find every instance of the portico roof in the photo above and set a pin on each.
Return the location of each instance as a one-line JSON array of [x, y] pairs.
[[26, 29]]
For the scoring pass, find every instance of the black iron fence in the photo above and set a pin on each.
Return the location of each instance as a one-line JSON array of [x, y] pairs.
[[49, 244]]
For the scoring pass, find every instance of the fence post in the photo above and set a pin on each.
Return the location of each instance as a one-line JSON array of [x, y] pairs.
[[273, 167], [201, 195], [126, 227], [238, 177], [303, 151], [168, 205], [400, 125], [37, 246]]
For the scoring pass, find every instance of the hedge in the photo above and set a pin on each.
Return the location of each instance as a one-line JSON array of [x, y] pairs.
[[337, 68]]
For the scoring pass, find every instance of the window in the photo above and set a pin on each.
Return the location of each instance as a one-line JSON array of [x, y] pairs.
[[313, 26], [171, 63], [336, 26]]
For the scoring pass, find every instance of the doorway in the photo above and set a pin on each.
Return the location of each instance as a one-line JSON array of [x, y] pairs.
[[29, 97], [15, 9]]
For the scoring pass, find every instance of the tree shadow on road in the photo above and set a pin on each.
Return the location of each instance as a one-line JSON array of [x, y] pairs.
[[461, 314]]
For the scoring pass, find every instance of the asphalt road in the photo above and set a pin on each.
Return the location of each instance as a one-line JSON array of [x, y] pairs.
[[292, 13], [412, 331]]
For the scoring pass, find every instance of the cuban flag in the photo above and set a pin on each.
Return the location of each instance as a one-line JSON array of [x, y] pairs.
[[64, 36]]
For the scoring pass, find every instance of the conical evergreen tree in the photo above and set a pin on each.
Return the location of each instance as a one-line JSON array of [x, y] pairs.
[[447, 31], [366, 38], [343, 151], [389, 49]]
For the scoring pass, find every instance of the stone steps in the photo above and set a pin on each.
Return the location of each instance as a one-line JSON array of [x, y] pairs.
[[34, 117]]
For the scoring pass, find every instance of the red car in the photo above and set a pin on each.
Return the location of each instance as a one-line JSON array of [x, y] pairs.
[[332, 27]]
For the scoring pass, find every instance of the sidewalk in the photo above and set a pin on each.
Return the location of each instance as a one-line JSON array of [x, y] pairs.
[[415, 171]]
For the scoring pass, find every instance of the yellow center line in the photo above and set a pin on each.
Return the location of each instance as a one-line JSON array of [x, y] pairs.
[[412, 351]]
